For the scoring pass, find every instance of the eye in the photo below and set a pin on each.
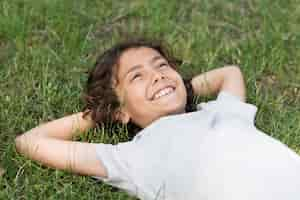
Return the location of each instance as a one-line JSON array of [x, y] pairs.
[[162, 65], [136, 76]]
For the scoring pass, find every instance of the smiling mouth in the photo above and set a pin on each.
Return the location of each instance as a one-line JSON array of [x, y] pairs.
[[163, 92]]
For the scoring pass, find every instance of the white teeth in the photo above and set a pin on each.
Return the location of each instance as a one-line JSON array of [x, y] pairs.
[[163, 92]]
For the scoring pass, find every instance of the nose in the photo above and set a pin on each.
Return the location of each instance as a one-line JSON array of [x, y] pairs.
[[157, 76]]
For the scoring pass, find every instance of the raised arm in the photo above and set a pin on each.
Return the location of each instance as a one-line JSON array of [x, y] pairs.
[[48, 143], [228, 78]]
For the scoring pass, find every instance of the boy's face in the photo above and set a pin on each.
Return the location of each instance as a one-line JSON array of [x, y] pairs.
[[148, 87]]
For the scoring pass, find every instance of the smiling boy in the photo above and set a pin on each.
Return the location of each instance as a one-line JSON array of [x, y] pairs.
[[214, 153]]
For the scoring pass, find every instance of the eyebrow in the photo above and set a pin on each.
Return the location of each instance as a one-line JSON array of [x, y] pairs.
[[133, 69], [154, 59]]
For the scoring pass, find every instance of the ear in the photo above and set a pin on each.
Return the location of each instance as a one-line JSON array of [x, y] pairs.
[[122, 116]]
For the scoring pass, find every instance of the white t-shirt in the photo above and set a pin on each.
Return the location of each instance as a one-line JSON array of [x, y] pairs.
[[215, 153]]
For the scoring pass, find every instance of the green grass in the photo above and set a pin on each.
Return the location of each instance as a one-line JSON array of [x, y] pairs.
[[46, 46]]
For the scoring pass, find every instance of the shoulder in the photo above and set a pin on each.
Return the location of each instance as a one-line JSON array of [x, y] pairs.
[[230, 105]]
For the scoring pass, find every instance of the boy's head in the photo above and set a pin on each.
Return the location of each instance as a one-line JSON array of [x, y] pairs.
[[135, 82]]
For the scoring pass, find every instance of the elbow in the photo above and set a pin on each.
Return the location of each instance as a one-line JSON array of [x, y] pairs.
[[18, 143], [27, 141], [23, 143], [234, 69], [234, 81], [234, 72]]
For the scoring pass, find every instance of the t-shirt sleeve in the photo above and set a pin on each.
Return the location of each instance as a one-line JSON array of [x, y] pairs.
[[229, 105], [114, 159]]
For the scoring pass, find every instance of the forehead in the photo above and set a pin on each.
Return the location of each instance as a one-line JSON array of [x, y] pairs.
[[135, 56]]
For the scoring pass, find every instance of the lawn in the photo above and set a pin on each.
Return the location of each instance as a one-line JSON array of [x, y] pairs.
[[47, 46]]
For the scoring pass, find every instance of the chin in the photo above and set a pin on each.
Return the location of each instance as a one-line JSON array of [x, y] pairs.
[[176, 109]]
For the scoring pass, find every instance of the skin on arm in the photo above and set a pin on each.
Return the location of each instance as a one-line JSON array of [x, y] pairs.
[[48, 143], [228, 78]]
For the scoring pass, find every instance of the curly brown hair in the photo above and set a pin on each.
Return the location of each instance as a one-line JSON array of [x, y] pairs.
[[100, 97]]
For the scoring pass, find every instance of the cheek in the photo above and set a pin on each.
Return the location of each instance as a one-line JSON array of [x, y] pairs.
[[182, 88], [135, 95], [179, 79]]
